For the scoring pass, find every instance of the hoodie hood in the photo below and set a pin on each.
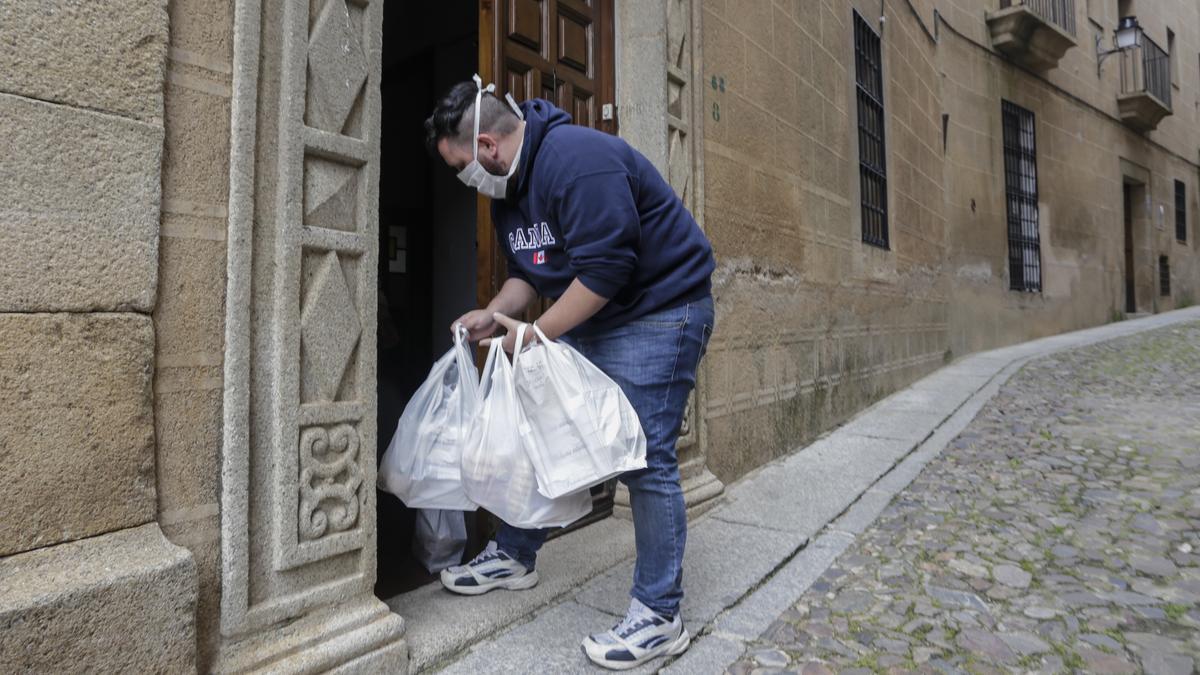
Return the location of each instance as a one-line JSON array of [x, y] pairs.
[[540, 117]]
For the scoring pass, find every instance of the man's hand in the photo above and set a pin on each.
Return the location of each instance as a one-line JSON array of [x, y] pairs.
[[510, 338], [513, 298], [479, 323]]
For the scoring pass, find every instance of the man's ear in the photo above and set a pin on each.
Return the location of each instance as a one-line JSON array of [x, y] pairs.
[[489, 146]]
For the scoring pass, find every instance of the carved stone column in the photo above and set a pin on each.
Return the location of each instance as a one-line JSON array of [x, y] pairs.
[[298, 469], [684, 169]]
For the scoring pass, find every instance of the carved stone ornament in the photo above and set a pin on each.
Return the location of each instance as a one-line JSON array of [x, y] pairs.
[[330, 480]]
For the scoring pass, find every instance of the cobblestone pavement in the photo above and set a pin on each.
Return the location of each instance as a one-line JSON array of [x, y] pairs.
[[1060, 532]]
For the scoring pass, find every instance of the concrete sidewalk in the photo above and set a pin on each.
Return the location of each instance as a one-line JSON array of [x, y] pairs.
[[748, 559]]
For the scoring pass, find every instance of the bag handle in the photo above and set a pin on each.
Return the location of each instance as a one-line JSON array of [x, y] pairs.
[[469, 375], [518, 347], [541, 336], [496, 347]]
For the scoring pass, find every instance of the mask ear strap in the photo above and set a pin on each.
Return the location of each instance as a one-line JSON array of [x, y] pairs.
[[491, 89], [479, 101], [513, 102]]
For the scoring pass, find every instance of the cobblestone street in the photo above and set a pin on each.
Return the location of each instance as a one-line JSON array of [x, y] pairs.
[[1059, 532]]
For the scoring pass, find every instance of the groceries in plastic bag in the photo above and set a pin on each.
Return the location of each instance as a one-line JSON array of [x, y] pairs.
[[582, 430], [439, 538], [422, 464], [496, 471]]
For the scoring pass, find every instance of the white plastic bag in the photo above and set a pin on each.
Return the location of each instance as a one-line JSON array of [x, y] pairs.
[[582, 430], [496, 471], [439, 538], [422, 465]]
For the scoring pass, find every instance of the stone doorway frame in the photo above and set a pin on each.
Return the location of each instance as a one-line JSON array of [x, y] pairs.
[[649, 36], [297, 500]]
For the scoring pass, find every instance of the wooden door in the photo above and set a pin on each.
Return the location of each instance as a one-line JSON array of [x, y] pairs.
[[562, 51], [559, 50]]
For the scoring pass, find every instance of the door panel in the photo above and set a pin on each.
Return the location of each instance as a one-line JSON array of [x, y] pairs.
[[574, 42], [583, 107], [520, 80], [526, 21]]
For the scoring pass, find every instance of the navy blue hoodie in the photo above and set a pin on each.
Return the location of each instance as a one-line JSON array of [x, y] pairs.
[[587, 205]]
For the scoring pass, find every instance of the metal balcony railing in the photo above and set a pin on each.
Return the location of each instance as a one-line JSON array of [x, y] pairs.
[[1061, 13], [1147, 69]]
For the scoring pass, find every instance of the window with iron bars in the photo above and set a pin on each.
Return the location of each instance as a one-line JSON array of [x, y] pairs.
[[1021, 197], [1180, 211], [1164, 275], [872, 153]]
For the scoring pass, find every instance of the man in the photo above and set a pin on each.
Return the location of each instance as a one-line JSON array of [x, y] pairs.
[[585, 219]]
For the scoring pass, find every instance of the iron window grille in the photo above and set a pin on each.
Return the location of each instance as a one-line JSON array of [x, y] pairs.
[[872, 153], [1021, 197], [1164, 275], [1180, 211]]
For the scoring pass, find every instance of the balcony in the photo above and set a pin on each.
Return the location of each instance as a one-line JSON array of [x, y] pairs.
[[1034, 33], [1145, 97]]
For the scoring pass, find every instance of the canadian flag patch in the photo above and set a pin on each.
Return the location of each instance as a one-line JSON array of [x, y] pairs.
[[539, 258]]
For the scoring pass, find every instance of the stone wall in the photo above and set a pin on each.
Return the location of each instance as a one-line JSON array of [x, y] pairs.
[[1076, 73], [81, 110], [1083, 155], [813, 324]]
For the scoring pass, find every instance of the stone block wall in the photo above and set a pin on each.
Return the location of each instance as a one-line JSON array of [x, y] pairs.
[[81, 109], [813, 324], [1076, 73], [118, 603], [78, 442], [1084, 154]]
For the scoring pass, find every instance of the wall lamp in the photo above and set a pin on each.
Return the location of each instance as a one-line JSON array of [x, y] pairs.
[[1127, 36]]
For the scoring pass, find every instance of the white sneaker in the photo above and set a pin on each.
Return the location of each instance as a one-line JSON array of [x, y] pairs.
[[490, 569], [641, 636]]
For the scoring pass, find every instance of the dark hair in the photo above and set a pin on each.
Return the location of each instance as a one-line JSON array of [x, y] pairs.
[[454, 116]]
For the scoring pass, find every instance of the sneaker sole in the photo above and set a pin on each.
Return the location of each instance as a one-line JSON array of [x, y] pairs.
[[521, 583], [675, 648]]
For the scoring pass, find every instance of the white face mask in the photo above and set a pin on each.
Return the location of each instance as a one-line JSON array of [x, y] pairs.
[[475, 175]]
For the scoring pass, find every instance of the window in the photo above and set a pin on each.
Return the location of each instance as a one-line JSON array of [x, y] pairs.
[[1124, 8], [1173, 55], [1164, 275], [1021, 197], [1180, 211], [872, 164]]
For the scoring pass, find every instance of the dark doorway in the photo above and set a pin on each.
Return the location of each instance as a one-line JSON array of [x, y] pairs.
[[1130, 286], [427, 268]]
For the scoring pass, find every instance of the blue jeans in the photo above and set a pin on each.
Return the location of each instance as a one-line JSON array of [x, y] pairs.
[[654, 360]]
